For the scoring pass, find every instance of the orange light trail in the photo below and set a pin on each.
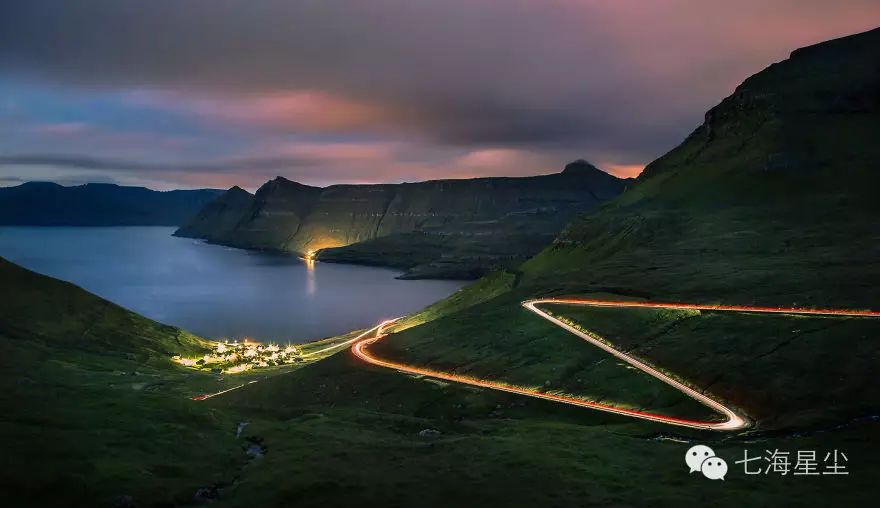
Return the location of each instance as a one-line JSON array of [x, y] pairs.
[[709, 307], [733, 420], [206, 396]]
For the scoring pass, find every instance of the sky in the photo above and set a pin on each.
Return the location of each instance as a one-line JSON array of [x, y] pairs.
[[214, 93]]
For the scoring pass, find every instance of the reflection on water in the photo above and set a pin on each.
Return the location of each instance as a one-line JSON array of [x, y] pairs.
[[216, 291], [309, 262]]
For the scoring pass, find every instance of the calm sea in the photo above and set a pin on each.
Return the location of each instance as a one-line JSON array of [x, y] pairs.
[[215, 291]]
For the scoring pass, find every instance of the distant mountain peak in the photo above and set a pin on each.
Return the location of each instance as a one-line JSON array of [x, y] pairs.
[[284, 180], [279, 182], [98, 204], [39, 185], [580, 166], [108, 185], [235, 193]]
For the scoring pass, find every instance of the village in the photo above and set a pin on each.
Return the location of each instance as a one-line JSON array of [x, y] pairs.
[[236, 357]]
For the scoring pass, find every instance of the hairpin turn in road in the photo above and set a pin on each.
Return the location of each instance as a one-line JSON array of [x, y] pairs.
[[733, 421]]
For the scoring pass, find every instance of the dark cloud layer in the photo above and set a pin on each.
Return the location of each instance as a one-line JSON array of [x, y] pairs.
[[620, 81], [79, 162]]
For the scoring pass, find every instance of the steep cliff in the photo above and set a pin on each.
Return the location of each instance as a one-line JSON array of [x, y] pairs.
[[218, 216], [773, 198], [809, 120], [267, 220], [473, 224]]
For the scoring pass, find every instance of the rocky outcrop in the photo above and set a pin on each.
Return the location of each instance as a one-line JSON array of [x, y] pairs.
[[218, 216]]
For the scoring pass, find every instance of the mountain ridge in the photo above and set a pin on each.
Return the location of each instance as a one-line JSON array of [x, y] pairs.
[[817, 79], [98, 204], [452, 228], [781, 177], [711, 224]]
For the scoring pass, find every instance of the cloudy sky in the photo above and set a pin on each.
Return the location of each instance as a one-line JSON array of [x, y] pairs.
[[213, 93]]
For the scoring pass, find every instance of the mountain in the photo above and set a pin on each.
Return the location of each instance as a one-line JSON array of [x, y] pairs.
[[773, 197], [442, 228], [94, 204], [772, 201], [222, 213], [710, 222]]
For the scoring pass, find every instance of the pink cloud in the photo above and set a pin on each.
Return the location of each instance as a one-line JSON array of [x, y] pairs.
[[502, 162], [76, 137], [311, 111], [339, 152], [381, 162]]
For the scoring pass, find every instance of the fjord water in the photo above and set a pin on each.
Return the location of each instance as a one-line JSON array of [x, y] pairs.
[[215, 291]]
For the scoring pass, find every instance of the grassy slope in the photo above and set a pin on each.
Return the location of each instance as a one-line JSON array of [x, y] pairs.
[[521, 349], [93, 409], [770, 202], [341, 434], [716, 220], [720, 219], [505, 244], [784, 371]]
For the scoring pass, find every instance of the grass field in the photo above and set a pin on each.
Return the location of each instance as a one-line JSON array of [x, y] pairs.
[[95, 412], [96, 427], [340, 433]]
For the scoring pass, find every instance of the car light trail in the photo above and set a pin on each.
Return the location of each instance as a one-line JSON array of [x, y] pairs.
[[709, 307], [733, 420], [376, 328], [221, 392]]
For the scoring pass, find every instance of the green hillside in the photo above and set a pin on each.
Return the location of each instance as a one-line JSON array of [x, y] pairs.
[[97, 416], [721, 219], [435, 229], [94, 412], [771, 199], [710, 222]]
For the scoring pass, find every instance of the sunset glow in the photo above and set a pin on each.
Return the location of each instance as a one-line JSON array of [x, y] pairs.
[[325, 97]]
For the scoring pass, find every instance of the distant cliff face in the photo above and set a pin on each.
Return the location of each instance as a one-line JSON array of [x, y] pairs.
[[220, 215], [288, 216], [50, 204]]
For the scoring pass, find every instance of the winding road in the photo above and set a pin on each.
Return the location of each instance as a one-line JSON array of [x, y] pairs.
[[733, 421]]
